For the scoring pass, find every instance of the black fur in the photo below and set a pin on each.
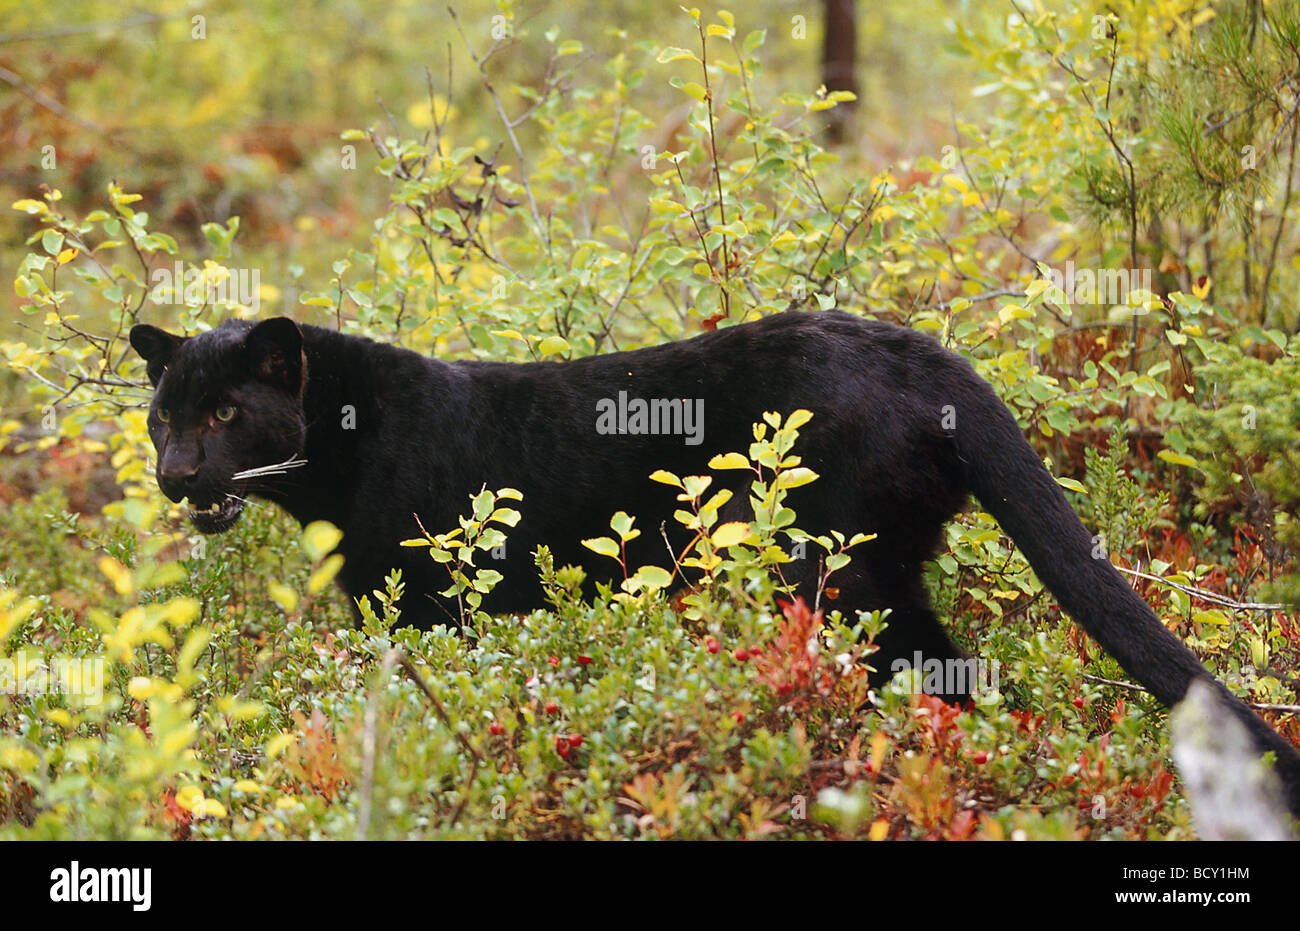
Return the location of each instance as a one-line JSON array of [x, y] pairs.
[[903, 431]]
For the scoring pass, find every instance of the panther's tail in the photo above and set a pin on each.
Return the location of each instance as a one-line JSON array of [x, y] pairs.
[[1009, 479]]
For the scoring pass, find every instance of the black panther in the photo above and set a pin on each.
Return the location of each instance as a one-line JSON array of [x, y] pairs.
[[370, 436]]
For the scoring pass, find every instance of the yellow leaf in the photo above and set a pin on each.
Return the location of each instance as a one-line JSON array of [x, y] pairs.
[[553, 345], [59, 716], [420, 114], [957, 183], [1009, 312], [879, 830], [194, 644], [283, 595], [879, 744], [66, 256], [798, 419], [729, 461], [30, 206], [209, 808], [730, 533], [320, 537], [117, 574], [695, 90], [325, 574], [277, 744], [793, 478], [1168, 455]]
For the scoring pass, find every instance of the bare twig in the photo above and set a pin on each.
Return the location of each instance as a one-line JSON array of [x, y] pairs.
[[48, 102], [1205, 595], [505, 120]]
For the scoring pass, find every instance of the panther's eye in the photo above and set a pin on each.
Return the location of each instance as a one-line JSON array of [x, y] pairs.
[[164, 415], [226, 413]]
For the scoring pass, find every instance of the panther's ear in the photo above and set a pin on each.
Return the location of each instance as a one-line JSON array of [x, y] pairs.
[[273, 349], [156, 347]]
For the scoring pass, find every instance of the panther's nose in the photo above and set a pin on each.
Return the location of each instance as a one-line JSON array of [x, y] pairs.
[[177, 481]]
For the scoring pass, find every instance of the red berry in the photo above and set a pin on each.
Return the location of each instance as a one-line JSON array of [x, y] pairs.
[[554, 661], [496, 728], [981, 758], [584, 660], [713, 645], [1078, 702], [575, 740], [562, 748], [739, 716], [755, 651], [741, 654], [552, 708]]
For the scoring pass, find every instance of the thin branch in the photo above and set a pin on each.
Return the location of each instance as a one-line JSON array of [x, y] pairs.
[[55, 31], [49, 103], [505, 120], [1205, 595]]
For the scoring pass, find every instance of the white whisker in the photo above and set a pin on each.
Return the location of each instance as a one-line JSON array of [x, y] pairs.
[[277, 468]]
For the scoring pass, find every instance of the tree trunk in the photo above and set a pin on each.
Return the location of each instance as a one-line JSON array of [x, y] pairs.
[[839, 63]]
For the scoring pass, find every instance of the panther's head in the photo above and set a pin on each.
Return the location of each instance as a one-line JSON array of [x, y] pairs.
[[227, 407]]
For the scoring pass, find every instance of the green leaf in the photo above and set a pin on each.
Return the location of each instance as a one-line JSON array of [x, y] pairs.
[[654, 577], [603, 546], [673, 53], [621, 524]]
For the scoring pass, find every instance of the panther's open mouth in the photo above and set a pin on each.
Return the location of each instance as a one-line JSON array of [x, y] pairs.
[[220, 516], [217, 517]]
